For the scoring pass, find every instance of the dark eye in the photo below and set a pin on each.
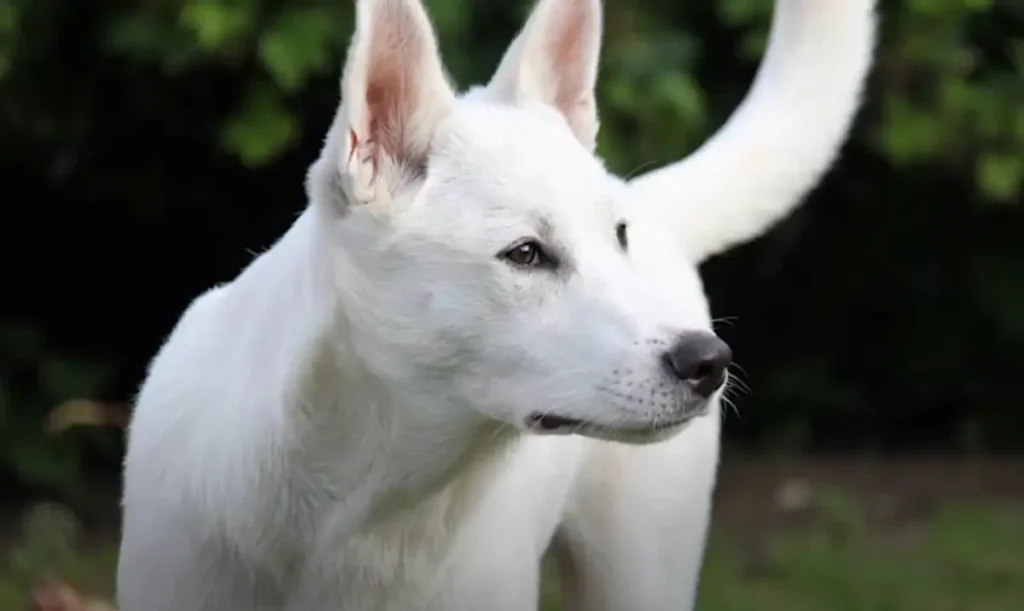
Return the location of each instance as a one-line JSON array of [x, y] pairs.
[[528, 254], [620, 234]]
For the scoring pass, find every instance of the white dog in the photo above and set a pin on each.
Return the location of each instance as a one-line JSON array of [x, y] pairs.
[[427, 380]]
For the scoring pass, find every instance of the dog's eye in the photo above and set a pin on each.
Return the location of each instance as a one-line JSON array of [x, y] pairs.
[[621, 236], [528, 254]]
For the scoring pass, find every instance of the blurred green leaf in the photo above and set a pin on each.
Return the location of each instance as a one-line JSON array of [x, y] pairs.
[[297, 44], [1001, 176], [216, 23], [44, 462], [262, 129], [66, 378]]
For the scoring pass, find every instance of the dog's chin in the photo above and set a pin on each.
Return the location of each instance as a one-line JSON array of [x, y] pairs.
[[626, 432]]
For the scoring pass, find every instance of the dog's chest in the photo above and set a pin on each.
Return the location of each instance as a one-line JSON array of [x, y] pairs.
[[469, 540]]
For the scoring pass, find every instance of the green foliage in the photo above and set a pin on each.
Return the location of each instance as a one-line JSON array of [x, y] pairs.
[[278, 47], [261, 129], [946, 102], [943, 98], [36, 378], [50, 547]]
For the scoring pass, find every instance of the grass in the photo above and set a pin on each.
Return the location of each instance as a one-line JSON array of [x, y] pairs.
[[960, 560], [832, 559]]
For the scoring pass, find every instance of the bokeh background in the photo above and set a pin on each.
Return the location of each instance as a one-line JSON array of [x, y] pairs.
[[148, 148]]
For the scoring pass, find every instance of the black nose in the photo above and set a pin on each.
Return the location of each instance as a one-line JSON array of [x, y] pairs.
[[699, 359]]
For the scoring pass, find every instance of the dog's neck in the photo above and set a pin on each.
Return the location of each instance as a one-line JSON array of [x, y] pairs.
[[355, 450]]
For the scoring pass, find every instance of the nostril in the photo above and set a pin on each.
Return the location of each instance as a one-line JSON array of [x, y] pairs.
[[700, 359], [705, 369]]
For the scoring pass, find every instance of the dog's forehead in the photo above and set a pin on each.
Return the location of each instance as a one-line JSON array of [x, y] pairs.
[[527, 158]]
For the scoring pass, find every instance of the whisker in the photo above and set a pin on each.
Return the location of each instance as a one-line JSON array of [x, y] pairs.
[[735, 382], [639, 168], [728, 402], [739, 368], [736, 375], [726, 320], [501, 428]]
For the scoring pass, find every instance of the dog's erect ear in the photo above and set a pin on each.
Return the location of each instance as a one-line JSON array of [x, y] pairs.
[[554, 60], [394, 95]]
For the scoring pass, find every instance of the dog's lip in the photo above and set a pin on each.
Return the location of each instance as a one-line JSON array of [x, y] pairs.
[[551, 423]]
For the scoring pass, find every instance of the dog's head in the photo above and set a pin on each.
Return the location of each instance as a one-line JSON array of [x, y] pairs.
[[486, 257]]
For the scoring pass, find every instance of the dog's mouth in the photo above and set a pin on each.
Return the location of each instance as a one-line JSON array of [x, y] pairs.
[[545, 423], [550, 423]]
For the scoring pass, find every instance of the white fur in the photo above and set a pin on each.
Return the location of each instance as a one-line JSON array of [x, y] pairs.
[[781, 139], [343, 426]]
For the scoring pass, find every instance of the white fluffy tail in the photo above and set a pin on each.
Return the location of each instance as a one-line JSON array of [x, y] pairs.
[[781, 139]]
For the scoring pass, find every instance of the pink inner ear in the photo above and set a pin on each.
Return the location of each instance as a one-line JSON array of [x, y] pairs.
[[567, 49], [369, 154], [391, 89]]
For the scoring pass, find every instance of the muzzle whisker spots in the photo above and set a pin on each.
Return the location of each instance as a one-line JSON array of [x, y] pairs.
[[658, 419]]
